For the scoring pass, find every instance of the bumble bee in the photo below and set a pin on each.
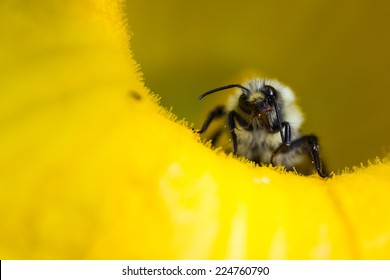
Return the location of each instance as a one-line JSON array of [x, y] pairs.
[[264, 124]]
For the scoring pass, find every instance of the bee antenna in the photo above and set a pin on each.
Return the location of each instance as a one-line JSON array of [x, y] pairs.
[[223, 88]]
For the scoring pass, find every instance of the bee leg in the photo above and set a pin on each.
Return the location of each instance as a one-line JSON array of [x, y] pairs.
[[287, 134], [218, 112], [232, 117], [313, 149], [232, 126], [286, 140], [309, 144]]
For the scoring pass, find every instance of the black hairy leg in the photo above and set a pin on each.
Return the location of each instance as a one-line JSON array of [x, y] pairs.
[[232, 117], [309, 145], [218, 112], [286, 136]]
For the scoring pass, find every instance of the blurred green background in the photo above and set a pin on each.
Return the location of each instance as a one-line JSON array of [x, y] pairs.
[[335, 55]]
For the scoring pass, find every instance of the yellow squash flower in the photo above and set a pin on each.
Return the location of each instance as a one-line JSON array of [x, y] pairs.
[[92, 167]]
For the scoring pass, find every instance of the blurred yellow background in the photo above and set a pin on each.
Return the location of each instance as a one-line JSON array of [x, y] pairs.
[[335, 55]]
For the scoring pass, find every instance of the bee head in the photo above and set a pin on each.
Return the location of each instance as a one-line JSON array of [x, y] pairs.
[[257, 100], [258, 103]]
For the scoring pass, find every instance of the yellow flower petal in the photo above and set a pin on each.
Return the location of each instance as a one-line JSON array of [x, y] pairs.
[[92, 167]]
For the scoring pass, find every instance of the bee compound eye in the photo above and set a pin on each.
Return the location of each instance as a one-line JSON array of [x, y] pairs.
[[268, 90]]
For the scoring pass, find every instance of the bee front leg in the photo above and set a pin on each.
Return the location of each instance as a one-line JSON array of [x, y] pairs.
[[287, 133], [286, 141], [313, 149], [232, 117], [232, 125], [309, 145]]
